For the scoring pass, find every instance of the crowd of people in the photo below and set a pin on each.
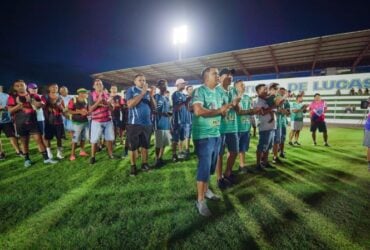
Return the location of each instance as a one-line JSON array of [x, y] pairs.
[[218, 115]]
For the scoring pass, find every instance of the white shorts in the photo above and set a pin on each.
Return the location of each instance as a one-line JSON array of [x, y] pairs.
[[101, 128], [296, 125], [80, 132], [162, 138]]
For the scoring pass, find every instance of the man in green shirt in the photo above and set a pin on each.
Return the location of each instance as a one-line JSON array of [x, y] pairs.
[[228, 128], [206, 134], [285, 111], [244, 123], [296, 119]]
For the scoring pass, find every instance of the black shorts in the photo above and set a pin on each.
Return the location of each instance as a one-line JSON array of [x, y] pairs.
[[8, 129], [138, 136], [318, 125], [54, 130], [27, 129], [117, 123]]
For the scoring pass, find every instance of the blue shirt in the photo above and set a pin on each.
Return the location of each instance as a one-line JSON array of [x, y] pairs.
[[180, 115], [163, 106], [4, 114], [140, 114]]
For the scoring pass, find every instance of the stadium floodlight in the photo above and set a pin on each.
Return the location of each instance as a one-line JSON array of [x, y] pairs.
[[180, 37]]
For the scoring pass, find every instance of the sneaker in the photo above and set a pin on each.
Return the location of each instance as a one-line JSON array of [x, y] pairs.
[[314, 143], [211, 196], [230, 179], [291, 143], [268, 165], [50, 155], [297, 143], [326, 144], [282, 155], [274, 160], [27, 163], [124, 155], [60, 156], [203, 208], [20, 154], [111, 157], [181, 155], [145, 167], [243, 170], [260, 168], [2, 156], [50, 161], [222, 183], [92, 160], [159, 163], [72, 158], [175, 158], [83, 154], [133, 171]]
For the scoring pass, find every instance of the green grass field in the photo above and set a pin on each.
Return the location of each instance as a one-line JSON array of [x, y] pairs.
[[319, 198]]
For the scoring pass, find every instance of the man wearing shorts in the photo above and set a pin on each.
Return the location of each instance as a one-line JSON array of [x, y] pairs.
[[53, 111], [77, 107], [266, 127], [6, 124], [32, 88], [296, 118], [67, 122], [162, 130], [285, 112], [100, 106], [317, 114], [228, 129], [118, 103], [180, 123], [140, 103], [206, 135], [244, 124]]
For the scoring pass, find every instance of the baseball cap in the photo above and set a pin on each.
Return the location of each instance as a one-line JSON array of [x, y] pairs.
[[32, 85], [82, 90], [227, 71], [180, 81]]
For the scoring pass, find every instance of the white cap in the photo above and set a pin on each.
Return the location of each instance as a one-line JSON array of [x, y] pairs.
[[180, 81]]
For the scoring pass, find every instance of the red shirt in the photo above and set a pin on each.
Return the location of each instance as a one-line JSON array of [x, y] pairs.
[[75, 104], [102, 112], [27, 115]]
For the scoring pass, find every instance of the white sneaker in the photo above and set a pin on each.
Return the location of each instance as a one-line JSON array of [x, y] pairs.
[[203, 208], [50, 161], [50, 154], [210, 195], [60, 155], [27, 163]]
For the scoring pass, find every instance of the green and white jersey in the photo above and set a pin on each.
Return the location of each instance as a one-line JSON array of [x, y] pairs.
[[284, 118], [244, 123], [206, 127], [296, 116], [229, 123]]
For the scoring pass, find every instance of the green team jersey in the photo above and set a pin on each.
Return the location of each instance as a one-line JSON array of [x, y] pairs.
[[206, 127], [284, 118], [229, 123], [296, 116], [244, 123]]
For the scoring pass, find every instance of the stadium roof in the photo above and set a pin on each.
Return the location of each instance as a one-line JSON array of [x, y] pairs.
[[340, 50]]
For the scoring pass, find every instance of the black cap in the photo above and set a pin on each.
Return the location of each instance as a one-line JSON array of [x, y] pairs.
[[160, 82], [227, 71]]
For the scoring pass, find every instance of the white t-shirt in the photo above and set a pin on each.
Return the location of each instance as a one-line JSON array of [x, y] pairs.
[[264, 123]]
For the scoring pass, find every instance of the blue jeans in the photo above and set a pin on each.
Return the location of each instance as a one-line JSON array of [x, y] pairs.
[[207, 150]]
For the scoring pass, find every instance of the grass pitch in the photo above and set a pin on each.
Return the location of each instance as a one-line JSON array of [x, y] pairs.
[[319, 198]]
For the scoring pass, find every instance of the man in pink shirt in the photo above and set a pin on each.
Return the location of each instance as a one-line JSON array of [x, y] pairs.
[[317, 114]]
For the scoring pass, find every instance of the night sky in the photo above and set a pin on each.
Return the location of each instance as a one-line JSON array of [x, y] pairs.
[[66, 41]]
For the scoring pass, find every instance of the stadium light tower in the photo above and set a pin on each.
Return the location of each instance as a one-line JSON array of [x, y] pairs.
[[180, 37]]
